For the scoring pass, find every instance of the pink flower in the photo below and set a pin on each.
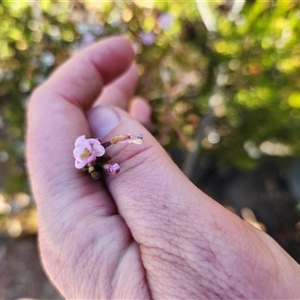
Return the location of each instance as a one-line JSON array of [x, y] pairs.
[[86, 151]]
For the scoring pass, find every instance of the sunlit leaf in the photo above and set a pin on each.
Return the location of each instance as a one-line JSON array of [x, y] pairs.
[[294, 100]]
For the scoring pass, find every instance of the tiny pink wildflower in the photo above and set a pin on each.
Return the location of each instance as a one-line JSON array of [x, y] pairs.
[[86, 151], [90, 154]]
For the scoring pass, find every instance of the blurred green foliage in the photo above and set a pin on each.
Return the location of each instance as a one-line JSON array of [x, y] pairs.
[[238, 70]]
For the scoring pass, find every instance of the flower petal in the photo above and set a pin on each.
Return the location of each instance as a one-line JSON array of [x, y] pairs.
[[77, 152], [87, 145], [94, 142], [99, 150], [79, 164], [79, 141]]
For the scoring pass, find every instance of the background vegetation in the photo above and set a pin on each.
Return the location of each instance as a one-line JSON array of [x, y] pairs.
[[223, 79]]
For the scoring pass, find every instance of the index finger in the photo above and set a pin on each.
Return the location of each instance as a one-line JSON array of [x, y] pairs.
[[56, 115]]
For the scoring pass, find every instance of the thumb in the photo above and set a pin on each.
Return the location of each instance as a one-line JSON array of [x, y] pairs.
[[190, 245], [151, 193]]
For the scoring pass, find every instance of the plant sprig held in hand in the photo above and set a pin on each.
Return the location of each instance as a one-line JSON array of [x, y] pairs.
[[90, 154]]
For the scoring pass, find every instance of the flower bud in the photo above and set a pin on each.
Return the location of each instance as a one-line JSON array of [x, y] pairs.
[[111, 169], [86, 151], [119, 138], [127, 139]]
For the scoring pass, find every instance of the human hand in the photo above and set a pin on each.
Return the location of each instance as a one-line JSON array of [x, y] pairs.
[[147, 232]]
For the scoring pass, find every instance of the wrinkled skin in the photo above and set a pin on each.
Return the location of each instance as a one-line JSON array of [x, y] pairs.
[[146, 233]]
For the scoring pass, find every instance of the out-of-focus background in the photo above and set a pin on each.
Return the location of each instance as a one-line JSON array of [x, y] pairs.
[[222, 77]]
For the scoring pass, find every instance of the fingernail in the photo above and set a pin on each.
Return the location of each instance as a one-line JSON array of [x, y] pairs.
[[102, 120]]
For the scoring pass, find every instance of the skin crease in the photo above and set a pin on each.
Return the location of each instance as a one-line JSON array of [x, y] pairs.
[[148, 232]]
